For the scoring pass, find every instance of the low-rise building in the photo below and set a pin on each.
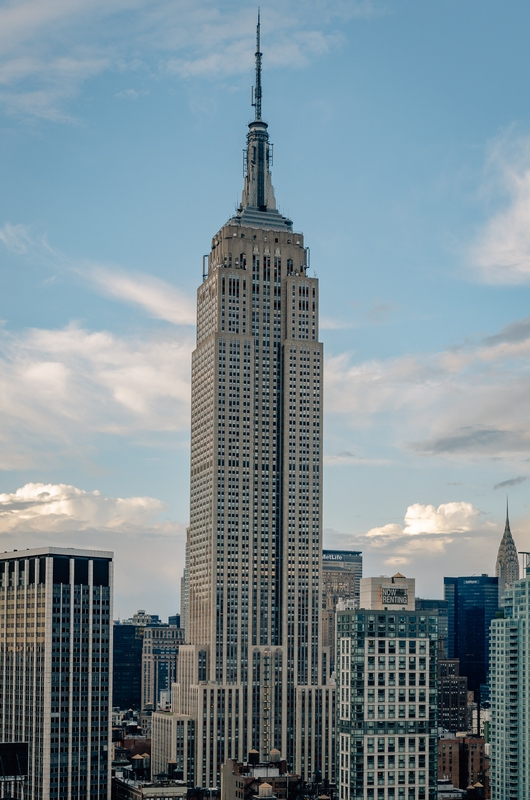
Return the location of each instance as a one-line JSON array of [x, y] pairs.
[[244, 781], [173, 745], [462, 760], [126, 788]]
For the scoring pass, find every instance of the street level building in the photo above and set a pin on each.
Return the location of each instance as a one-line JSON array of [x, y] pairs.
[[253, 674], [510, 692], [342, 571], [463, 761], [473, 602], [243, 781], [125, 788], [386, 695], [56, 668]]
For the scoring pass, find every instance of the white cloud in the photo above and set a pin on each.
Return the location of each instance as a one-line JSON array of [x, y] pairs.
[[465, 402], [456, 517], [60, 387], [452, 538], [501, 253], [148, 554], [51, 507]]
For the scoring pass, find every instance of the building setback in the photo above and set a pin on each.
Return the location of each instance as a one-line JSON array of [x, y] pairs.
[[386, 695], [56, 668], [510, 692], [253, 674]]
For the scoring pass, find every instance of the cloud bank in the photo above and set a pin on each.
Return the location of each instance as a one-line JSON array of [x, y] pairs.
[[456, 517], [60, 387], [465, 402], [148, 554]]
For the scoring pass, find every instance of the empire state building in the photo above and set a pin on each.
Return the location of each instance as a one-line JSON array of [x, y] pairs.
[[253, 674]]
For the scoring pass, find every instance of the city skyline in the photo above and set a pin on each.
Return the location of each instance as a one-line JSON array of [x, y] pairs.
[[413, 225]]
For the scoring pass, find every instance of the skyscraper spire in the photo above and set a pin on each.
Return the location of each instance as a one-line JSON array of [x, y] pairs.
[[258, 204], [507, 567], [257, 89]]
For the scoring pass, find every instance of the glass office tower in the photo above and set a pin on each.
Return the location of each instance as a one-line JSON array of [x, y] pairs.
[[56, 668], [472, 603]]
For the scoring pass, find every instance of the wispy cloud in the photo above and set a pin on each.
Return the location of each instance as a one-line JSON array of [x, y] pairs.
[[158, 298], [345, 458], [50, 48], [16, 238], [511, 482], [330, 324], [466, 402], [501, 252]]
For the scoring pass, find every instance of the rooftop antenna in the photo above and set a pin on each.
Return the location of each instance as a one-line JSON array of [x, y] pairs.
[[256, 94]]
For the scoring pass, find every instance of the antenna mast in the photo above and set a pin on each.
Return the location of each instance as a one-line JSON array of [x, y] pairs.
[[257, 91]]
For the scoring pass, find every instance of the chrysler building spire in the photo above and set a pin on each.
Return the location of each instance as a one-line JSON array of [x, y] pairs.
[[507, 567]]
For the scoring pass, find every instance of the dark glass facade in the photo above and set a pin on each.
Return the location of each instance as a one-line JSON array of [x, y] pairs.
[[472, 603], [127, 670]]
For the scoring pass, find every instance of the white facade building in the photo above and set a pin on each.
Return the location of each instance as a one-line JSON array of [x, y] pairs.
[[510, 695], [386, 695]]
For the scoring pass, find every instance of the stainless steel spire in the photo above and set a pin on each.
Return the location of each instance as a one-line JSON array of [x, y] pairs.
[[507, 567]]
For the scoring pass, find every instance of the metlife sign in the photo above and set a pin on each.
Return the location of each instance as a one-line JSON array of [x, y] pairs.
[[394, 595], [343, 556]]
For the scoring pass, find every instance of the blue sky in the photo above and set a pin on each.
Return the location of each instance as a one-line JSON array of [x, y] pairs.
[[402, 151]]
